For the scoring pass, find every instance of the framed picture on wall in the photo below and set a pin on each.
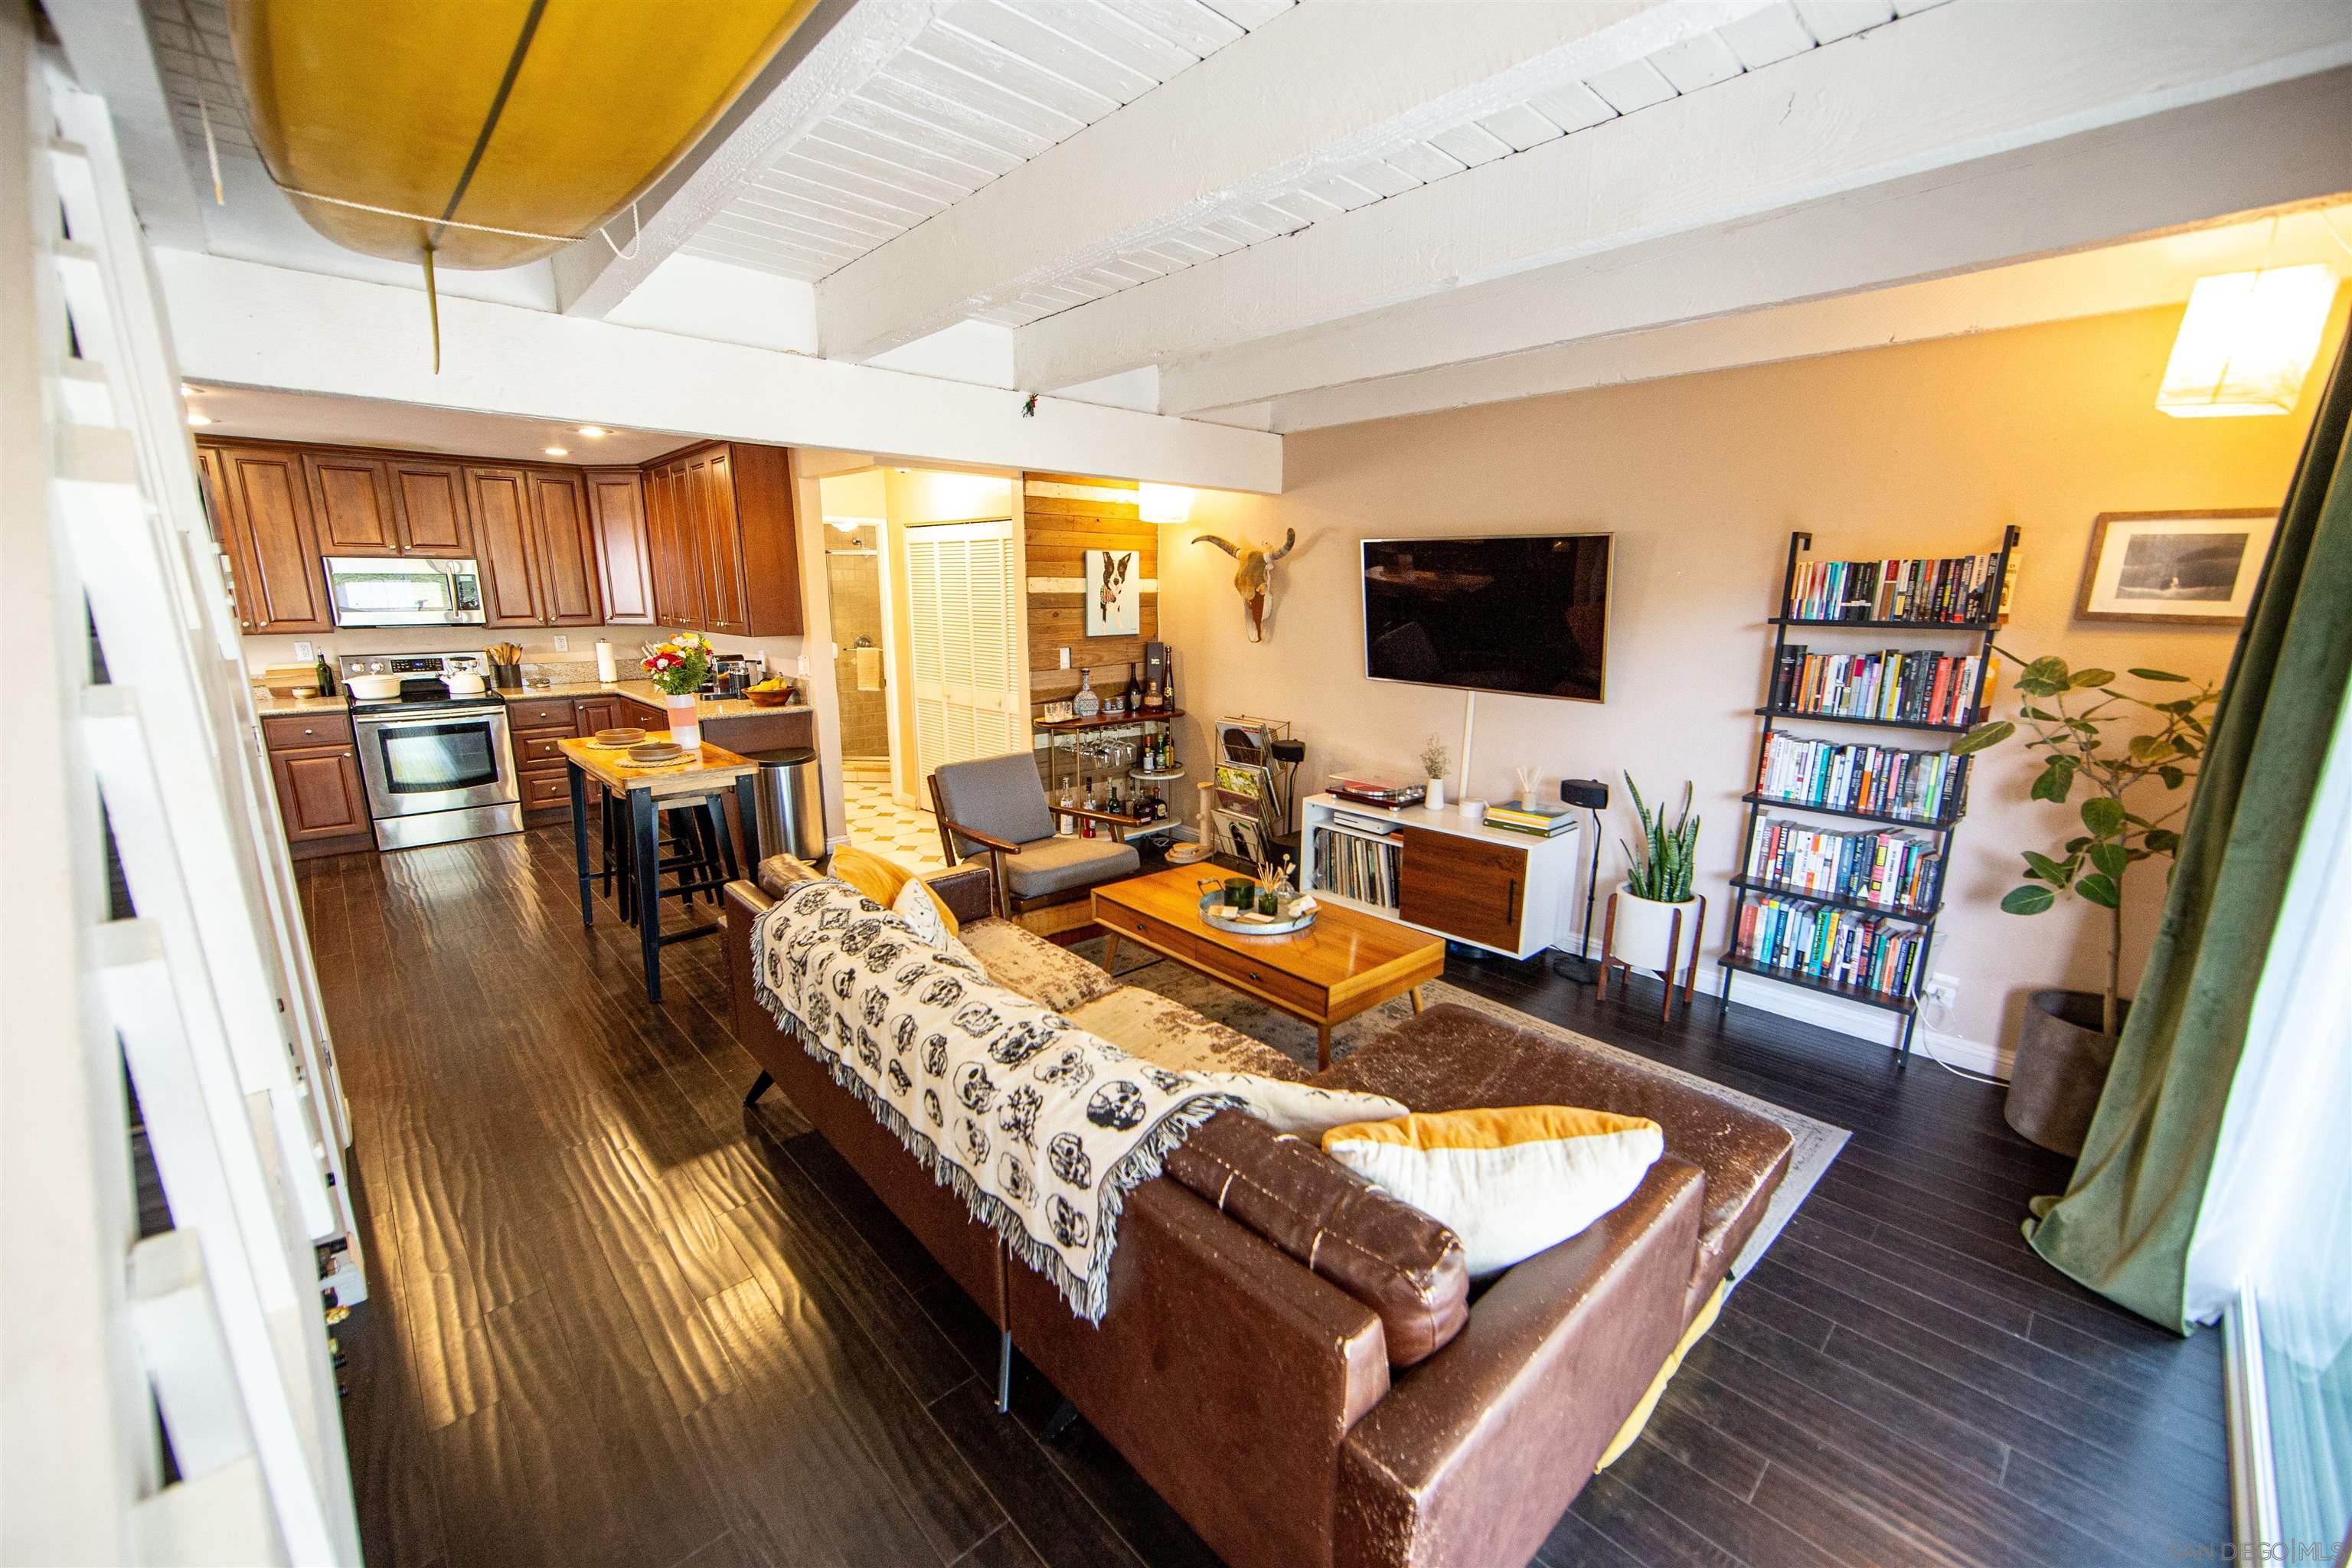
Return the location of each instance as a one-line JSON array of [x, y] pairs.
[[1114, 594], [2191, 568]]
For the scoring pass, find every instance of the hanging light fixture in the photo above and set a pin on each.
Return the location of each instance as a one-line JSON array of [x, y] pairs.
[[1163, 503], [2247, 342]]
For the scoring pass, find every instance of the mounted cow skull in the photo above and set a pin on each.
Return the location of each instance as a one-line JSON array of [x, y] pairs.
[[1253, 575]]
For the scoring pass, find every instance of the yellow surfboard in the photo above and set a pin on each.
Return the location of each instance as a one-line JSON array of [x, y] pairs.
[[541, 117]]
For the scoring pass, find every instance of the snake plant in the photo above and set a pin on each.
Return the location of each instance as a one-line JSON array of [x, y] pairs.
[[1660, 868]]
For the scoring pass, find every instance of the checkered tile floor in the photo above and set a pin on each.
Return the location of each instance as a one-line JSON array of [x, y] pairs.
[[880, 824]]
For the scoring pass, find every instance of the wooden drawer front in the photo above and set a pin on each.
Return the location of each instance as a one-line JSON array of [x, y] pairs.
[[540, 749], [1158, 934], [291, 730], [1261, 976], [540, 791], [595, 713], [1463, 887], [543, 714]]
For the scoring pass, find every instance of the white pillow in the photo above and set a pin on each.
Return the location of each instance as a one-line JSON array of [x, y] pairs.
[[1509, 1182], [1301, 1107], [919, 908]]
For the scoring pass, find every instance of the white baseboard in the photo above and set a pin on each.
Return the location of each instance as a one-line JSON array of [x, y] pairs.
[[1871, 1024]]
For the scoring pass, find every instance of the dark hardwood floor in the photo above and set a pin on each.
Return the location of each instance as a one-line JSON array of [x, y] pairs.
[[617, 1320]]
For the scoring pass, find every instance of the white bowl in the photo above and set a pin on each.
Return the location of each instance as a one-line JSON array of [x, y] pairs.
[[465, 685], [373, 687]]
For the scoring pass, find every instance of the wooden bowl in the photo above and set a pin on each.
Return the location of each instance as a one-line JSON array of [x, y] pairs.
[[768, 698]]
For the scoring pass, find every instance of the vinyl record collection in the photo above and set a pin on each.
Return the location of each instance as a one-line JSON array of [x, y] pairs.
[[1957, 590], [1249, 807], [1890, 869], [1357, 865], [1884, 781], [1920, 686]]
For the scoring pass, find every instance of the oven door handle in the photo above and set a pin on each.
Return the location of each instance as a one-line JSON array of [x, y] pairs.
[[420, 720]]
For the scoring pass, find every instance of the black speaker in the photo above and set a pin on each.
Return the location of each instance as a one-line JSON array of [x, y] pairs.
[[1291, 752], [1591, 793]]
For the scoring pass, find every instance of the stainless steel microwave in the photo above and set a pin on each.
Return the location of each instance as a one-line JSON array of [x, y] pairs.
[[403, 591]]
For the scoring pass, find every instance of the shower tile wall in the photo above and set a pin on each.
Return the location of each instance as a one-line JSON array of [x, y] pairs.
[[856, 583]]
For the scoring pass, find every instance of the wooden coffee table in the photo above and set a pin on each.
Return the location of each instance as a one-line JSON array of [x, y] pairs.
[[1343, 964]]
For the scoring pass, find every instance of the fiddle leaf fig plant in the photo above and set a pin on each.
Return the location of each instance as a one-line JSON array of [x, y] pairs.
[[2085, 752]]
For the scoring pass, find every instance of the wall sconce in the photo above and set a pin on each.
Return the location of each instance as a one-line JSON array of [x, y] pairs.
[[1163, 503], [2247, 341]]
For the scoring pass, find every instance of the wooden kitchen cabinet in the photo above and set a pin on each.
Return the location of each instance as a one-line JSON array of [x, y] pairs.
[[429, 503], [272, 540], [726, 552], [565, 537], [320, 793], [616, 510], [350, 497], [1463, 887], [595, 713], [504, 549]]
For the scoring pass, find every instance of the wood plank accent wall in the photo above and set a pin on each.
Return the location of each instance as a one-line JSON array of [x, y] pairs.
[[1065, 515]]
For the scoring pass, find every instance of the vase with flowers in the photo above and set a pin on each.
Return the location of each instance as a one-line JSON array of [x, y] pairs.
[[677, 668]]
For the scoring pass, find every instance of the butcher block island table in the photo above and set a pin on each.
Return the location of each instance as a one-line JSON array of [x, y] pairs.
[[1343, 964], [712, 770]]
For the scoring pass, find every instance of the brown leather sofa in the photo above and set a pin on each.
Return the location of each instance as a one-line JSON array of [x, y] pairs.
[[1292, 1358]]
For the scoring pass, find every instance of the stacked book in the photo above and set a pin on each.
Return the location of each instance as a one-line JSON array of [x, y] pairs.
[[1542, 818], [1891, 868], [1882, 780], [1355, 867], [1957, 590], [1832, 944], [1920, 686]]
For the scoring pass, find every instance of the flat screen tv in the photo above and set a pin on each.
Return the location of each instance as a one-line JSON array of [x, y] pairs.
[[1522, 613]]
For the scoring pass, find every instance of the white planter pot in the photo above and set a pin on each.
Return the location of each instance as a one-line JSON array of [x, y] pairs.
[[1643, 927], [684, 722], [1435, 798]]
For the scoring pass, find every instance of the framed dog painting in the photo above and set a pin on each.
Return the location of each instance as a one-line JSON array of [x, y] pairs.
[[1114, 594]]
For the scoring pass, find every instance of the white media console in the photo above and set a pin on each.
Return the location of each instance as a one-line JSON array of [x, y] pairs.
[[1438, 871]]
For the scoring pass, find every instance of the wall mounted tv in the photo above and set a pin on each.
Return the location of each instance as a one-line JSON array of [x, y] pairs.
[[1522, 613]]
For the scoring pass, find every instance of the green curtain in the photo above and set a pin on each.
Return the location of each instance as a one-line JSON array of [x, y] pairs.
[[2123, 1226]]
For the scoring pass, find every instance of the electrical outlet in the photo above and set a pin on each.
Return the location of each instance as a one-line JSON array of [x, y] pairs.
[[304, 652], [562, 643], [1944, 988]]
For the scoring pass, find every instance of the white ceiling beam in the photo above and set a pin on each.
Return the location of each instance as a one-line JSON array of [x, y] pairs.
[[244, 324], [1960, 82], [1318, 89], [2138, 275], [2284, 143], [828, 57], [106, 44]]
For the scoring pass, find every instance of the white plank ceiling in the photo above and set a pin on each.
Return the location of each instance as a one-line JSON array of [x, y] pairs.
[[993, 83]]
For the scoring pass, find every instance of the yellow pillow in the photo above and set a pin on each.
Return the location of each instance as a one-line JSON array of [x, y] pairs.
[[880, 880], [1510, 1182]]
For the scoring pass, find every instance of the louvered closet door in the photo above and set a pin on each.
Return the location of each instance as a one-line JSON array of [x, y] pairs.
[[959, 587]]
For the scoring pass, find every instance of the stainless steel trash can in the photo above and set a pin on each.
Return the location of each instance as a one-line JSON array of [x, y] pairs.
[[790, 803]]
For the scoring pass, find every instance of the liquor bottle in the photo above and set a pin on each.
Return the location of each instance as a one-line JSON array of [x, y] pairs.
[[1154, 699], [1134, 693], [326, 674], [1086, 704]]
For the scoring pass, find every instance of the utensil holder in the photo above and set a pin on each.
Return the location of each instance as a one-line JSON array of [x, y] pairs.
[[507, 677]]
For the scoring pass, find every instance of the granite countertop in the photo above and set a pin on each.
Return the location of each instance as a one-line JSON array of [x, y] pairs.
[[644, 691], [274, 707]]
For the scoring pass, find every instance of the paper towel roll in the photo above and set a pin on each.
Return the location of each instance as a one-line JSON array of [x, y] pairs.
[[606, 670], [870, 668]]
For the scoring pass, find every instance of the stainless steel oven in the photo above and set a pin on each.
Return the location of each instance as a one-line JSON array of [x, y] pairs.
[[437, 772], [403, 591]]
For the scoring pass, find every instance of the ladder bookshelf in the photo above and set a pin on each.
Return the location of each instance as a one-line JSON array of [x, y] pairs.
[[1835, 939]]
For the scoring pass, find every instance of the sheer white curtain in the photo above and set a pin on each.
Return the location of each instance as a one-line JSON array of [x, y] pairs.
[[2277, 1217]]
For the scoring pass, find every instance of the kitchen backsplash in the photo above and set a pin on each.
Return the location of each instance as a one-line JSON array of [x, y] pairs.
[[540, 654]]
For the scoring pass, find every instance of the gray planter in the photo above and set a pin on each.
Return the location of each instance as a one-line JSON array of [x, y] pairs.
[[2061, 1067]]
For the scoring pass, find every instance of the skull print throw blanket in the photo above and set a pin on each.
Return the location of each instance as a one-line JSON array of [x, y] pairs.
[[1036, 1124]]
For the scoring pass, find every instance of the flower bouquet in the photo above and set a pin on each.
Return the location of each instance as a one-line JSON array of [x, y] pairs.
[[677, 668]]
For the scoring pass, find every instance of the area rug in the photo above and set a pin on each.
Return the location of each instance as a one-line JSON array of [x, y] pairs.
[[1817, 1143]]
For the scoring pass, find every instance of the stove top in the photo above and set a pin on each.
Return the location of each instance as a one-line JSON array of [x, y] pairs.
[[422, 689]]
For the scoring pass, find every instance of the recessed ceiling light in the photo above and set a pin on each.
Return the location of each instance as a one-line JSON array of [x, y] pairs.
[[187, 391], [559, 451], [595, 432], [194, 418]]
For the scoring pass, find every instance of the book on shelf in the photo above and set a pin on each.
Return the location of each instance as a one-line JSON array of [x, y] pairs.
[[1836, 946], [1954, 590], [1520, 817], [1920, 686], [1894, 868], [1885, 781]]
